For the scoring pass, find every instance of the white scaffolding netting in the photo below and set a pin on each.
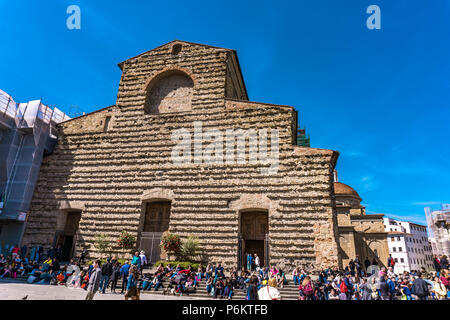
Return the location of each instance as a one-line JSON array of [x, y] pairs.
[[28, 112]]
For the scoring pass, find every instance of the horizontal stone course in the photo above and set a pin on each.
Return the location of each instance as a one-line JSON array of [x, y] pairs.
[[108, 171]]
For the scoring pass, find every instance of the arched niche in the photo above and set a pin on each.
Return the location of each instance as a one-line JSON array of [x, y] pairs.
[[169, 91]]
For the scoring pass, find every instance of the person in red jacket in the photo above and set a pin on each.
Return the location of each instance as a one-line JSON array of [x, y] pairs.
[[15, 251]]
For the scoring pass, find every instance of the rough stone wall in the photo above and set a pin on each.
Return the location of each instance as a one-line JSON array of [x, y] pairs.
[[107, 173]]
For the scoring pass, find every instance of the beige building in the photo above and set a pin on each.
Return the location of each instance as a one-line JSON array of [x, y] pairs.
[[359, 233], [113, 170]]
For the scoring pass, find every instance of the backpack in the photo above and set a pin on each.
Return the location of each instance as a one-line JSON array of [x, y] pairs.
[[343, 287], [308, 290]]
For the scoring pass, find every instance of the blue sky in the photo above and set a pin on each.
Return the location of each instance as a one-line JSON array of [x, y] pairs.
[[379, 97]]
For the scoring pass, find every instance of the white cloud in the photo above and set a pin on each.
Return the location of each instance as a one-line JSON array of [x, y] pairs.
[[427, 203]]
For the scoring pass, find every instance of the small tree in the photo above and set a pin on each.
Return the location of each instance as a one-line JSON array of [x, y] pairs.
[[189, 248], [101, 243], [171, 243]]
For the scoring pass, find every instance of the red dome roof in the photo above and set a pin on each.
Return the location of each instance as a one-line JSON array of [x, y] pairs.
[[343, 189]]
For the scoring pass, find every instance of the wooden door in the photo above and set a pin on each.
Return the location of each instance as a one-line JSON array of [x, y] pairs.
[[72, 223], [157, 216], [254, 225]]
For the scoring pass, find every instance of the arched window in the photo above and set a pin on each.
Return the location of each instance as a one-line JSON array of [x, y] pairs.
[[168, 92]]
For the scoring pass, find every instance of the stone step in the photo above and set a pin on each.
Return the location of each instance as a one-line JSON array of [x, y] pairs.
[[236, 295]]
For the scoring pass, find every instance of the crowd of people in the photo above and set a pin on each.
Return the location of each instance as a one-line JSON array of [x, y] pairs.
[[358, 281]]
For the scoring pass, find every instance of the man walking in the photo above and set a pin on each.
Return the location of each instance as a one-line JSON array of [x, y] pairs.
[[94, 280], [106, 274]]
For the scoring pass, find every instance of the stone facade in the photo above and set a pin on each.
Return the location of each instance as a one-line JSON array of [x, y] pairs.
[[107, 164], [359, 233]]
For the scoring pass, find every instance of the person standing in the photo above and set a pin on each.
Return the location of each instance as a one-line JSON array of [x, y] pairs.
[[83, 255], [391, 262], [115, 276], [367, 263], [106, 274], [257, 262], [349, 284], [420, 287], [132, 290], [436, 264], [249, 261], [252, 291], [444, 262], [136, 260], [351, 265], [384, 288], [124, 271], [94, 280], [358, 266], [143, 260], [15, 251], [23, 251]]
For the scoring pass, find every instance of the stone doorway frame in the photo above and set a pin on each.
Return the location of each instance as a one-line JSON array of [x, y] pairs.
[[152, 195], [253, 202]]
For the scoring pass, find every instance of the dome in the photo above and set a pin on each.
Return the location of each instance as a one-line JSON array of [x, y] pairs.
[[343, 189]]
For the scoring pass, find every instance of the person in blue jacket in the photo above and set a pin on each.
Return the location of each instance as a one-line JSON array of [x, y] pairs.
[[392, 290], [132, 290], [124, 271]]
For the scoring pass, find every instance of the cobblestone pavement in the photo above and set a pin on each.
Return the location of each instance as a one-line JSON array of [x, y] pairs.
[[16, 290]]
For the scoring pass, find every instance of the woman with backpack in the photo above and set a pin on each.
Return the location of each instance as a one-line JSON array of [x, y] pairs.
[[132, 290], [308, 288], [343, 288]]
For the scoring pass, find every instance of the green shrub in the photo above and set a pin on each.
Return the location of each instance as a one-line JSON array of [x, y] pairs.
[[183, 264], [189, 248]]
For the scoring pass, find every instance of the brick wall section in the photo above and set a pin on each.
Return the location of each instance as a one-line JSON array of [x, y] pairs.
[[108, 172]]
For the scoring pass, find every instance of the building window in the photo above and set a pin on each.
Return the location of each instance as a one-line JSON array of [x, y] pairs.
[[395, 249], [402, 260], [398, 238], [176, 49], [400, 249], [392, 239], [107, 122], [396, 260]]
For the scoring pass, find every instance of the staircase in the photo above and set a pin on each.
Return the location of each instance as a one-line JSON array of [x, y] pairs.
[[289, 292]]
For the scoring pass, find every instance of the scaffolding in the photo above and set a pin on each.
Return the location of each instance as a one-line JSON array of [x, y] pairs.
[[302, 140], [25, 114], [438, 222], [30, 132]]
